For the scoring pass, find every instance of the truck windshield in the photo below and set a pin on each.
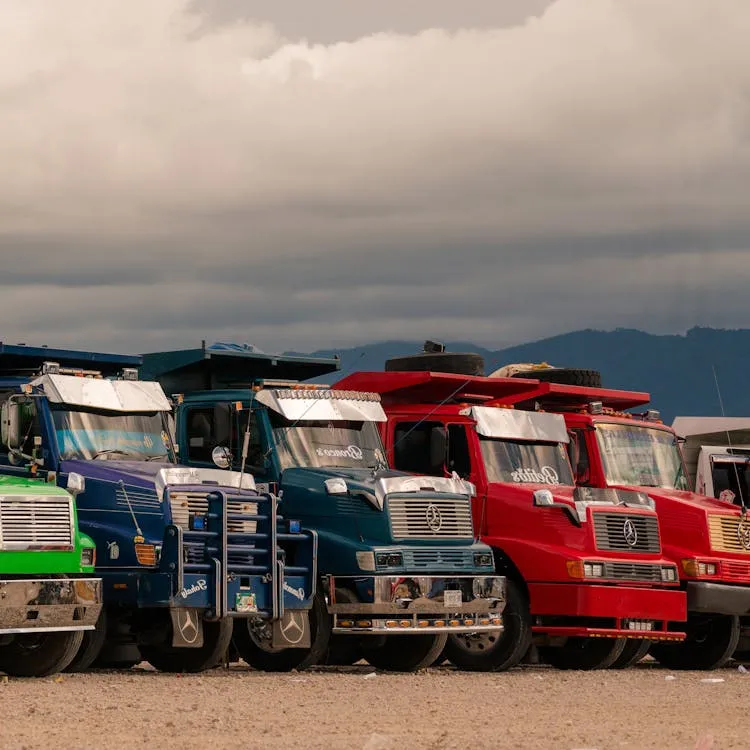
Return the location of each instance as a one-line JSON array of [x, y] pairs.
[[516, 462], [88, 435], [638, 456], [349, 444]]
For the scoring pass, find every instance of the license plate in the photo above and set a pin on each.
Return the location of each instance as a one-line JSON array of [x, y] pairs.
[[452, 598], [246, 603]]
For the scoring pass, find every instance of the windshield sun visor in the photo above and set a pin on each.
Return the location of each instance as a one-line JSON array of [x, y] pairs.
[[508, 424], [109, 395], [323, 405]]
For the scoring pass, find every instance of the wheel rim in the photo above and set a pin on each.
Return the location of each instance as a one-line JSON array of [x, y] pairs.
[[261, 635], [477, 643]]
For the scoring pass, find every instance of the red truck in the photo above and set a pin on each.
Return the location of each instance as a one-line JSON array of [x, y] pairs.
[[586, 576], [708, 539]]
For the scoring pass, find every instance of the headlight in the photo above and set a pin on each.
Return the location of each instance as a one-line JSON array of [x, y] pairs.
[[483, 560], [579, 569], [668, 574], [88, 556], [389, 559], [693, 567]]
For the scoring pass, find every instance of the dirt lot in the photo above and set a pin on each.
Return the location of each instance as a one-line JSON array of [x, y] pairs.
[[356, 708]]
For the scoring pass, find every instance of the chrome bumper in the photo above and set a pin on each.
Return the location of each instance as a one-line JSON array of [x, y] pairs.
[[49, 604], [418, 604]]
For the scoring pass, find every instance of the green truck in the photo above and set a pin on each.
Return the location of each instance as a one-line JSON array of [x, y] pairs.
[[48, 594]]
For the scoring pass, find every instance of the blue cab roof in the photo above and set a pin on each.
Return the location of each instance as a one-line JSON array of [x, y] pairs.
[[22, 360]]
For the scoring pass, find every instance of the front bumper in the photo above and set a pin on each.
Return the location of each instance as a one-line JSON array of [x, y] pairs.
[[418, 604], [718, 598], [49, 604], [579, 605]]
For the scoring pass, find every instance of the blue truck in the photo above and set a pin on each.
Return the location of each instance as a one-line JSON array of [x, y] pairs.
[[183, 552], [399, 563]]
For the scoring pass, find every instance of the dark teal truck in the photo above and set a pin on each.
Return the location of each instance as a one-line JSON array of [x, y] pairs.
[[399, 564]]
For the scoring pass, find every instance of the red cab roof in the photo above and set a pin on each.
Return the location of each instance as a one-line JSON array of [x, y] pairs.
[[557, 395]]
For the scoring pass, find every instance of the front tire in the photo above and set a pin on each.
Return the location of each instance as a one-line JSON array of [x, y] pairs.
[[216, 638], [584, 653], [254, 644], [496, 652], [91, 645], [407, 653], [710, 643], [635, 649], [40, 655]]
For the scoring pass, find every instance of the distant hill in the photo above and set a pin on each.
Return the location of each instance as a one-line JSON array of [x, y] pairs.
[[675, 369]]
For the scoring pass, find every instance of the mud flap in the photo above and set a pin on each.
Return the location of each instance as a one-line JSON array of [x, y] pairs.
[[292, 630], [187, 627]]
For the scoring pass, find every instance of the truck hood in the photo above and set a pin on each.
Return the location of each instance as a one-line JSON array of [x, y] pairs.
[[133, 473], [375, 486], [686, 497]]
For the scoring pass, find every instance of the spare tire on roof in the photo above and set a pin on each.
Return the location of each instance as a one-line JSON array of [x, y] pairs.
[[564, 376], [451, 362]]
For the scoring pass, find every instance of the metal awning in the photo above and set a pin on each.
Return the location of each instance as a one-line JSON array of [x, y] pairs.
[[323, 405], [509, 424]]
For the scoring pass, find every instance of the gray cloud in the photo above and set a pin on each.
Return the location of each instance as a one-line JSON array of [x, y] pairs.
[[175, 171]]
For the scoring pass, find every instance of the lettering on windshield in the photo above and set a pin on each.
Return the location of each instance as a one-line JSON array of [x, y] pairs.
[[351, 451], [546, 475]]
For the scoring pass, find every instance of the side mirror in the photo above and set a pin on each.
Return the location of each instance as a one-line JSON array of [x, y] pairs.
[[222, 456], [11, 432]]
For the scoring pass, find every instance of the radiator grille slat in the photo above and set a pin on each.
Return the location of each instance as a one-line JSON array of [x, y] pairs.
[[430, 518], [185, 503], [626, 532], [36, 520], [729, 534], [432, 560], [632, 571]]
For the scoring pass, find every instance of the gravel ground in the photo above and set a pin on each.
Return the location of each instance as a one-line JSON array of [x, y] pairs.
[[356, 708]]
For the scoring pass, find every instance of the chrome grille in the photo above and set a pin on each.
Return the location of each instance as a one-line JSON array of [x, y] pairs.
[[434, 559], [36, 521], [632, 571], [137, 499], [610, 532], [430, 517], [183, 504], [729, 534]]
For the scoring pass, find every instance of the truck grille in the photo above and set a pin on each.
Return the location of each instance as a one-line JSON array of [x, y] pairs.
[[729, 534], [430, 518], [183, 504], [625, 532], [434, 560], [632, 571], [36, 521]]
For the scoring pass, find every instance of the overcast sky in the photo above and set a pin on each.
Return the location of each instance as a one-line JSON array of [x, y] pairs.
[[319, 174]]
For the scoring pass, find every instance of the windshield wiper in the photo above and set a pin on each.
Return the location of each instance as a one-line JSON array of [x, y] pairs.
[[108, 451], [158, 455]]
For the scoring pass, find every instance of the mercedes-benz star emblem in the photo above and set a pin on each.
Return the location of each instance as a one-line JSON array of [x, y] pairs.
[[743, 533], [188, 628], [630, 533], [293, 629], [434, 518]]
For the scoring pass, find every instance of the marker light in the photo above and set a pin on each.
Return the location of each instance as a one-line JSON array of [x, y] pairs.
[[693, 567]]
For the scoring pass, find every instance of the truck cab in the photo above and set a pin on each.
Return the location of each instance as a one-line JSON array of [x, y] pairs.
[[616, 448], [586, 574], [49, 595], [183, 553], [398, 562]]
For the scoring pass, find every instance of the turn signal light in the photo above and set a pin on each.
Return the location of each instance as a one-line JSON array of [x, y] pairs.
[[693, 567], [146, 554]]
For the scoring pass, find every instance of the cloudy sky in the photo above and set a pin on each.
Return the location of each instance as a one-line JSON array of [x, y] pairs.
[[303, 175]]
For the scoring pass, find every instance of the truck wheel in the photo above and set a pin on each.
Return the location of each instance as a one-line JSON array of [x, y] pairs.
[[584, 653], [635, 649], [344, 650], [493, 651], [564, 376], [39, 655], [91, 645], [450, 362], [254, 643], [710, 643], [407, 653], [216, 637]]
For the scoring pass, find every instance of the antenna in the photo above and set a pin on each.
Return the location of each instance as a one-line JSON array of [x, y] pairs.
[[729, 443]]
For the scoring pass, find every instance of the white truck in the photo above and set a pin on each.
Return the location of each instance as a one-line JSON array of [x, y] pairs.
[[717, 456]]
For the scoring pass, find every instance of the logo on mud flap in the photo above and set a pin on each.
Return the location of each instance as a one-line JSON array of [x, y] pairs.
[[743, 533], [434, 518], [293, 629], [630, 533], [188, 627]]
